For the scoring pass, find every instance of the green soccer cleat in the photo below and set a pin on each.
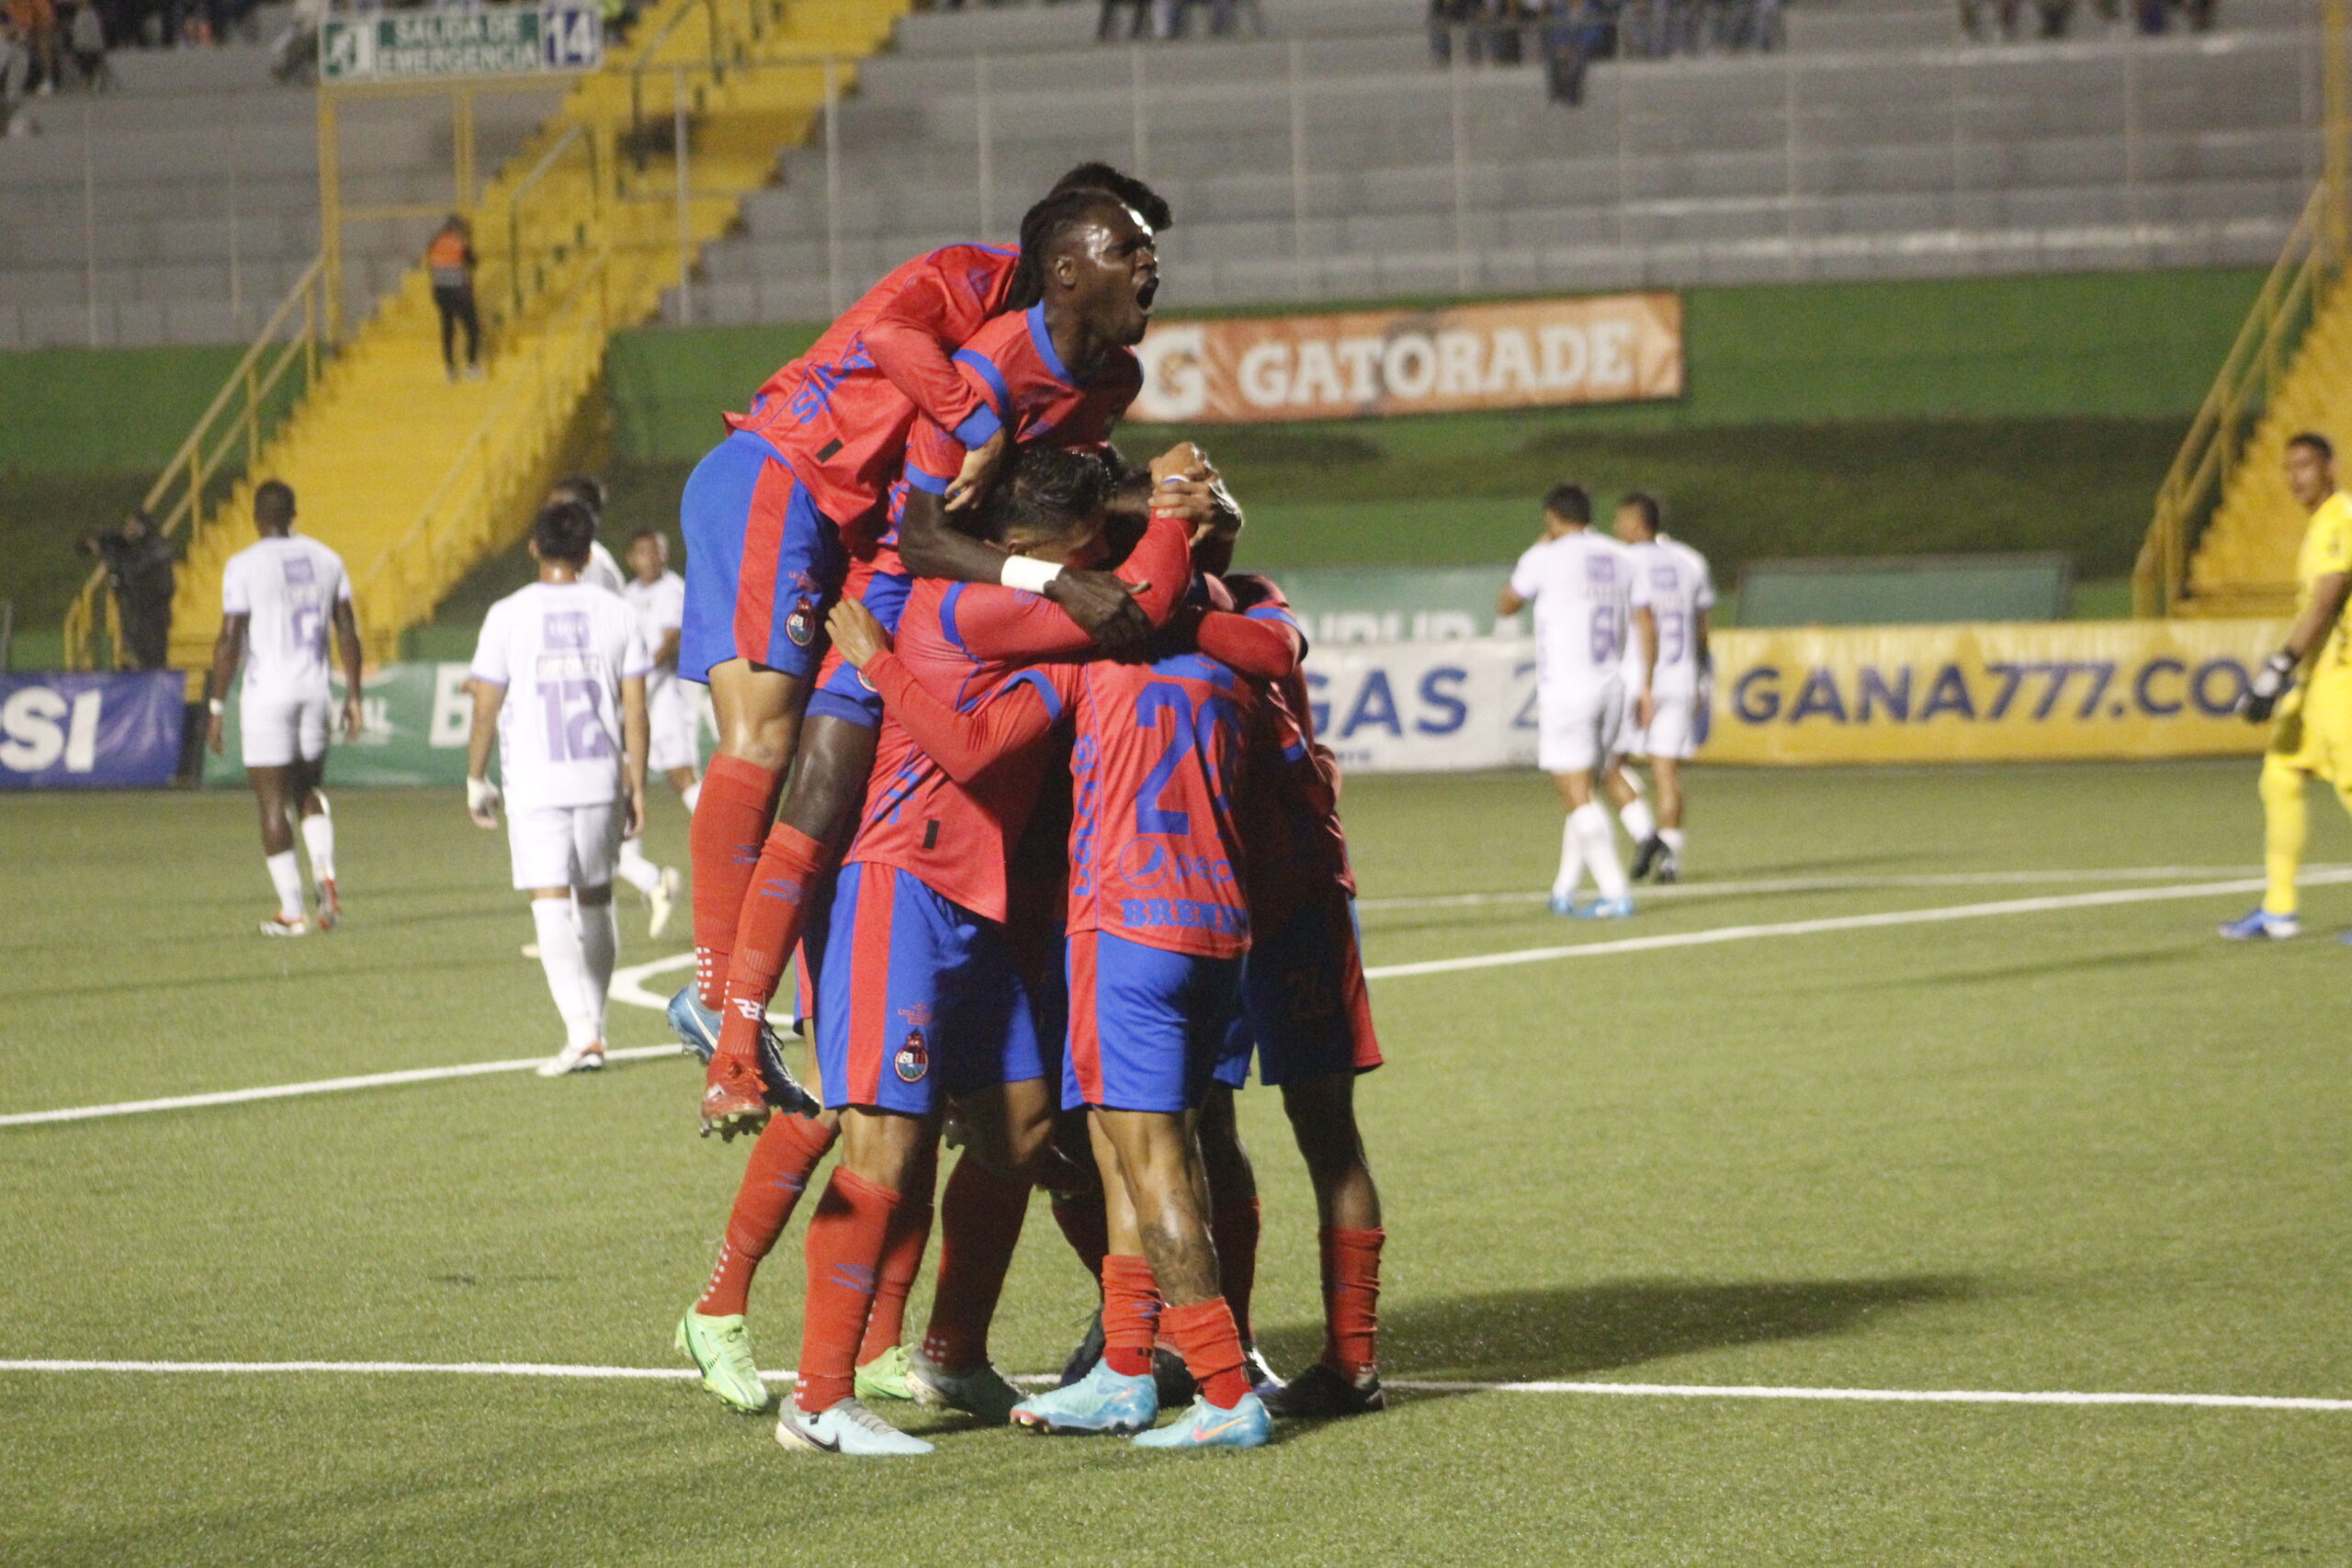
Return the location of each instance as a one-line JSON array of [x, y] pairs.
[[1203, 1425], [981, 1394], [884, 1377], [721, 1350], [1102, 1401]]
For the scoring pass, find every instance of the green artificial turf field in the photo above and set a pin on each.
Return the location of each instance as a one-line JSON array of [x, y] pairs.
[[2079, 1147]]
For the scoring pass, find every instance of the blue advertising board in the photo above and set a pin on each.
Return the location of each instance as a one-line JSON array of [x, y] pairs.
[[91, 731]]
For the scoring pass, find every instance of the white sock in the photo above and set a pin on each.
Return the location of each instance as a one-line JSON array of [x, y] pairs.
[[1673, 837], [1589, 822], [1636, 815], [636, 870], [318, 836], [286, 873], [566, 965], [691, 794], [1564, 886], [600, 944]]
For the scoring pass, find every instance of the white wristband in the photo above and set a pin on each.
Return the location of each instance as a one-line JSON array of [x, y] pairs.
[[1028, 573], [480, 794]]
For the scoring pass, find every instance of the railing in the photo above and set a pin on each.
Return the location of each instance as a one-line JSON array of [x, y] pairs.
[[510, 454], [570, 172], [238, 415], [715, 64], [2257, 362]]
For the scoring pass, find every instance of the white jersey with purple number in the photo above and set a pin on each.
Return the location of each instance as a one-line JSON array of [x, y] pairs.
[[287, 589], [562, 650], [1583, 589], [1674, 580]]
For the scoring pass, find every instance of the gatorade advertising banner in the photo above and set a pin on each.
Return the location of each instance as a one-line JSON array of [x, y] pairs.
[[2027, 692], [415, 721], [91, 731], [1522, 353]]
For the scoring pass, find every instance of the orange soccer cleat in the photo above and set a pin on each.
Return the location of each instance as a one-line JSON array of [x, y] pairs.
[[732, 1099]]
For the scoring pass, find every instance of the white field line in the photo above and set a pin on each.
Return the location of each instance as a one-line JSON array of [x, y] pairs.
[[1718, 934], [1845, 884], [633, 990], [319, 1086], [1619, 1390]]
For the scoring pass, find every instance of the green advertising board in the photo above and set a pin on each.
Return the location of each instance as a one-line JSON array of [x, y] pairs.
[[462, 41]]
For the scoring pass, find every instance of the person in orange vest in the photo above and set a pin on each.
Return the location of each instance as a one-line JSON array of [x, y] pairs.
[[450, 258]]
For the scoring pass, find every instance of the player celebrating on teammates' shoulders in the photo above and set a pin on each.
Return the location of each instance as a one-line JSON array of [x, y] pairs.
[[2313, 732], [571, 746], [1062, 370], [769, 517], [278, 598], [1681, 595], [1585, 591], [657, 597]]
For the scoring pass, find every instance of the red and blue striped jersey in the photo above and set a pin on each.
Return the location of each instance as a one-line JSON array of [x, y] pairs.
[[1155, 844], [1298, 851], [1012, 365], [840, 414]]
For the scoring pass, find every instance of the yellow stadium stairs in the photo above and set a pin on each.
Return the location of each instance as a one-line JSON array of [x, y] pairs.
[[2291, 371], [415, 479]]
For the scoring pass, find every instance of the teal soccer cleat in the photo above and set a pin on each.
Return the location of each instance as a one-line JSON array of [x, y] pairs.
[[1606, 910], [696, 1027], [1102, 1401], [1203, 1425]]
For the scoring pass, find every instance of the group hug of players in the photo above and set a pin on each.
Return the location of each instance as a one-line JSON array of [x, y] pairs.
[[1025, 777]]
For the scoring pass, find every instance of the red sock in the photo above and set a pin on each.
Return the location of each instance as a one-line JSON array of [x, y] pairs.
[[1351, 1301], [1211, 1344], [777, 1173], [789, 870], [1130, 1314], [901, 1261], [845, 1241], [981, 1216], [1234, 1227], [730, 822], [1086, 1227]]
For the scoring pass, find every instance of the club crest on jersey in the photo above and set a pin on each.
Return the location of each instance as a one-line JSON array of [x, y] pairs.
[[913, 1059], [801, 624]]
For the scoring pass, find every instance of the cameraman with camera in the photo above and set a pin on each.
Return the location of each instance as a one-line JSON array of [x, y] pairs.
[[139, 573]]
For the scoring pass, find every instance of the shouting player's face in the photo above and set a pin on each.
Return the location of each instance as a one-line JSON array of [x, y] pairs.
[[1111, 270]]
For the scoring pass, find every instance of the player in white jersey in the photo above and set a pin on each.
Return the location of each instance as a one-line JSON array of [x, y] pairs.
[[602, 571], [657, 597], [1587, 599], [1680, 594], [279, 598], [559, 677]]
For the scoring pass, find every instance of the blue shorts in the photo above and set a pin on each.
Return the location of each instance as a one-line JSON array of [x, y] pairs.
[[841, 690], [916, 996], [1146, 1027], [1304, 1009], [763, 564]]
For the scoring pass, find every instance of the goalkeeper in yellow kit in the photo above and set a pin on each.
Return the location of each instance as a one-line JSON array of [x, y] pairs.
[[2312, 731]]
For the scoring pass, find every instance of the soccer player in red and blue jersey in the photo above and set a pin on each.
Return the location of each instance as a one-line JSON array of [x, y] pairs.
[[1063, 370], [918, 996], [1305, 1009], [770, 516]]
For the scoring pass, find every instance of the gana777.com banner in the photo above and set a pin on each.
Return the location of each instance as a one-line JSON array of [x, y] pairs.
[[1519, 354], [2076, 690]]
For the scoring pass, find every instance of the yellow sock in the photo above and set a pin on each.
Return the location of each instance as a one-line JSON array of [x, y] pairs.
[[2286, 825]]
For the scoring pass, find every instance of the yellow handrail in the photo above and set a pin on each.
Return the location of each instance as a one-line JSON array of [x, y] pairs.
[[2258, 360], [200, 456]]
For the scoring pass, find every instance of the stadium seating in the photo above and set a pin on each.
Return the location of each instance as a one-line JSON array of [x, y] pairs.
[[194, 192], [1913, 155]]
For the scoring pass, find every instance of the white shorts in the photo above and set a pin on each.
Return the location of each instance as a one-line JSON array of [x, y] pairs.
[[565, 846], [1577, 725], [1673, 731], [275, 732], [670, 718]]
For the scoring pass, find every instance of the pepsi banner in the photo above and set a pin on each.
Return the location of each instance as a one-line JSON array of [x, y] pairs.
[[91, 731]]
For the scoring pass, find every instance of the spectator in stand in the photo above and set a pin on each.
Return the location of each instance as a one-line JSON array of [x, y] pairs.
[[1574, 32], [450, 257], [35, 22], [138, 563], [294, 54]]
